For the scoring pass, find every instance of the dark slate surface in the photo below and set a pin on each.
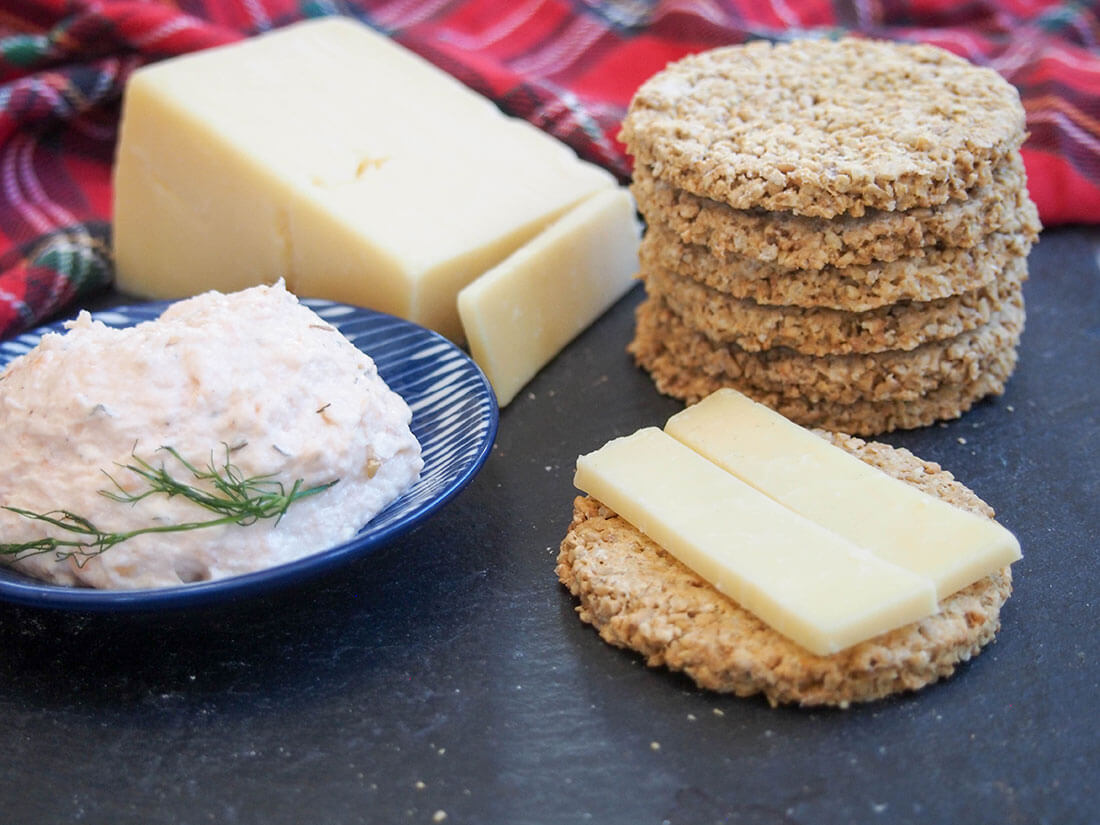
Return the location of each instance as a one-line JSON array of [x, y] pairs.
[[448, 673]]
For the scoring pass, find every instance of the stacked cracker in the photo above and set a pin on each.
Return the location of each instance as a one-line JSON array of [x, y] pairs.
[[838, 229]]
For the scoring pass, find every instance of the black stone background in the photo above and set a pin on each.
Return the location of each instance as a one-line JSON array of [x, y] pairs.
[[448, 672]]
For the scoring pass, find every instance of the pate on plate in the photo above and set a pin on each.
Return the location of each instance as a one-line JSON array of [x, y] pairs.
[[454, 419]]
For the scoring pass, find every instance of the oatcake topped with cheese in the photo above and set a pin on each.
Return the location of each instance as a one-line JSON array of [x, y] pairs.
[[638, 596]]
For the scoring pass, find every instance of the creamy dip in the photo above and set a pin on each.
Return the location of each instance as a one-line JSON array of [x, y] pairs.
[[254, 370]]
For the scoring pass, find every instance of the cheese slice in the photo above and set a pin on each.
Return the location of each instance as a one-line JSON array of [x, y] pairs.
[[895, 521], [327, 155], [806, 582], [521, 313]]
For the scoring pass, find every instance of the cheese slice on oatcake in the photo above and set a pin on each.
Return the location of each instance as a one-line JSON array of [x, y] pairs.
[[896, 522], [807, 582]]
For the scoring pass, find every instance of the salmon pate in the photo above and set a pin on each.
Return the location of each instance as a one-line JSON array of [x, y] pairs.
[[252, 385]]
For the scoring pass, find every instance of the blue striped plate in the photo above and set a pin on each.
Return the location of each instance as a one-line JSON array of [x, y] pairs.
[[454, 417]]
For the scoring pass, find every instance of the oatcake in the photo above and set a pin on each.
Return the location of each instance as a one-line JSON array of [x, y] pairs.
[[639, 597], [861, 417], [824, 128], [893, 375], [822, 331], [669, 363], [928, 276], [790, 241], [838, 229]]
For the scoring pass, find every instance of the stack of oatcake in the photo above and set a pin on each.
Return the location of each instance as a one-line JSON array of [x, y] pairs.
[[838, 229]]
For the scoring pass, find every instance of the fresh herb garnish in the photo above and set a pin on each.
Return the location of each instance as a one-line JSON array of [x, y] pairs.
[[238, 499]]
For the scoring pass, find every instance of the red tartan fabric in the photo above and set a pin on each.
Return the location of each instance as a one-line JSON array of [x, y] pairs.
[[569, 67]]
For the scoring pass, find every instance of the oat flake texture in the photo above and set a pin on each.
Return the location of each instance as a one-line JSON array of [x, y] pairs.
[[838, 229], [824, 128]]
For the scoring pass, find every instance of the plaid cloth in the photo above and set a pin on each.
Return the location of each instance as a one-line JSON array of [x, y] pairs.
[[569, 67]]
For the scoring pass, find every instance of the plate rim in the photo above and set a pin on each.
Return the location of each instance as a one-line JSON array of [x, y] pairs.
[[26, 591]]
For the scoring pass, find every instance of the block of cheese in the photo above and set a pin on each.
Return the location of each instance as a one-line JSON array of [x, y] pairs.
[[833, 488], [521, 313], [329, 156], [806, 582]]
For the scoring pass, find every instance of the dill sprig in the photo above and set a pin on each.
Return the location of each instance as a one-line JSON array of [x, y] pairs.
[[238, 499]]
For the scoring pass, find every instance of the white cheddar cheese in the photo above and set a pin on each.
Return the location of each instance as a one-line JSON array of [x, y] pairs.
[[831, 487], [806, 582], [327, 155], [521, 313]]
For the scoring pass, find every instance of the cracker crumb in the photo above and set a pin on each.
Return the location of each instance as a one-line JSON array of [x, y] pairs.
[[654, 746], [439, 816]]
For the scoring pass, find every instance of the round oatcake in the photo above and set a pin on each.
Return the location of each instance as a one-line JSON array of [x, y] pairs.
[[641, 598], [928, 275], [824, 128], [789, 241], [892, 375], [684, 365], [859, 418], [822, 331]]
